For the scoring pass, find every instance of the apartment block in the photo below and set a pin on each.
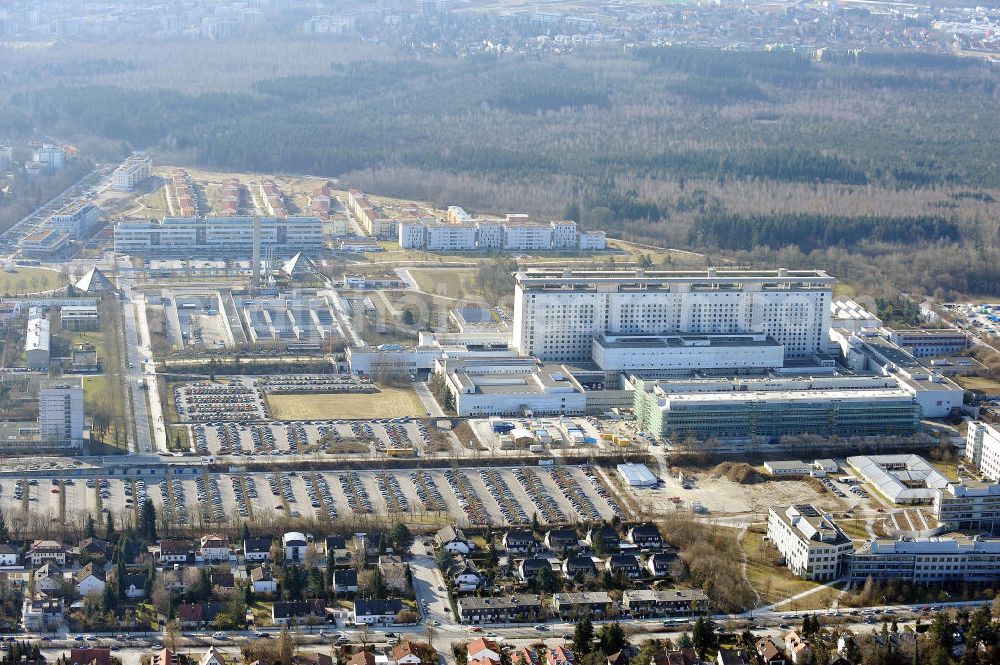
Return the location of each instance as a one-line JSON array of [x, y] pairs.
[[982, 449], [217, 237], [131, 172], [813, 546], [557, 313], [60, 414]]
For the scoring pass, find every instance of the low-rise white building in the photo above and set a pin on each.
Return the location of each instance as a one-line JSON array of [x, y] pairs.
[[813, 546], [36, 340], [968, 506], [511, 386], [685, 353], [928, 560]]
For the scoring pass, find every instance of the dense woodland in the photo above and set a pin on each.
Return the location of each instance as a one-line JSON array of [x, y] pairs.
[[852, 161]]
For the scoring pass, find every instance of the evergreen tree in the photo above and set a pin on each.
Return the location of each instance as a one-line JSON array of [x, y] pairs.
[[400, 536], [612, 638], [109, 527], [90, 530], [147, 521], [4, 531], [583, 636], [703, 636]]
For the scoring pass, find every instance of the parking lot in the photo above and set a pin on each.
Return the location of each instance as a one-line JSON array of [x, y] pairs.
[[403, 437], [206, 401], [488, 495]]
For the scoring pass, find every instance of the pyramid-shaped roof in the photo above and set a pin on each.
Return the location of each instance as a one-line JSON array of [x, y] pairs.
[[298, 265], [95, 281]]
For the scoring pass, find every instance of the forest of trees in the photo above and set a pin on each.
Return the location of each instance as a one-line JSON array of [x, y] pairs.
[[749, 153]]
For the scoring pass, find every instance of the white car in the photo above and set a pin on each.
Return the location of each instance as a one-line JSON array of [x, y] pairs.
[[219, 635]]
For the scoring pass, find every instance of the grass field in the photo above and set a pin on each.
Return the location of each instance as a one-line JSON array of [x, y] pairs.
[[390, 403], [773, 582], [95, 387], [446, 281], [989, 386], [34, 280]]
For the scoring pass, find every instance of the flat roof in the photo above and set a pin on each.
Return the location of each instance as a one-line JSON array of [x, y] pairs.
[[683, 341], [538, 277]]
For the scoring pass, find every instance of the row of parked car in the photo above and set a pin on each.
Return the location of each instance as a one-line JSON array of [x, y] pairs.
[[510, 508], [546, 504]]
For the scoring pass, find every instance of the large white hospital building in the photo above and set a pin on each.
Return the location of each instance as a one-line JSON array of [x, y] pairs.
[[558, 313]]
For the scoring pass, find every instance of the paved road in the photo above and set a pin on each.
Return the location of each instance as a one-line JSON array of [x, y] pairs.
[[135, 373], [148, 370]]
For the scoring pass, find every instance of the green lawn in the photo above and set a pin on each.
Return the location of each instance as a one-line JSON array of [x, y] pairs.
[[446, 281], [28, 279]]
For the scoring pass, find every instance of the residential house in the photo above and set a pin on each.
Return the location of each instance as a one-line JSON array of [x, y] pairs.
[[135, 585], [223, 579], [262, 580], [562, 540], [571, 606], [175, 551], [90, 579], [621, 657], [362, 658], [407, 653], [624, 564], [663, 602], [559, 655], [370, 542], [524, 655], [604, 539], [212, 656], [49, 579], [382, 611], [41, 613], [257, 549], [198, 615], [523, 608], [94, 547], [645, 536], [677, 657], [9, 555], [312, 658], [731, 657], [295, 544], [173, 580], [482, 651], [464, 575], [345, 580], [45, 551], [165, 657], [769, 652], [453, 539], [394, 573], [661, 564], [579, 566], [89, 656], [337, 545], [518, 541], [297, 611], [529, 569], [797, 648]]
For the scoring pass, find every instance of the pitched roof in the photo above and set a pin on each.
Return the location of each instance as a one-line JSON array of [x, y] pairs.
[[480, 644], [90, 570], [377, 606], [404, 649], [91, 656], [362, 658]]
